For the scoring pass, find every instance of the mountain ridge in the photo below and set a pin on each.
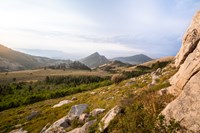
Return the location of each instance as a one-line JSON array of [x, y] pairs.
[[135, 59]]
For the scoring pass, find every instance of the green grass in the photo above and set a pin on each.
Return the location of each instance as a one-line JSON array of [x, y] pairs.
[[17, 94]]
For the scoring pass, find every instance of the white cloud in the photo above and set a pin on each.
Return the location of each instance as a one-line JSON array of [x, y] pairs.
[[123, 27]]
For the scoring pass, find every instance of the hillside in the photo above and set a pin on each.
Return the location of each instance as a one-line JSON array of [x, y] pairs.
[[135, 59], [76, 65], [11, 60], [114, 66], [94, 60]]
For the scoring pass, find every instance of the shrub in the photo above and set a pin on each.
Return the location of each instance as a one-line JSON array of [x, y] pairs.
[[116, 78], [131, 74], [159, 64], [33, 99], [167, 127]]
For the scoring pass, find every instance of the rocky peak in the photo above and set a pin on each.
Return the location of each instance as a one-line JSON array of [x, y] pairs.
[[185, 83], [95, 54]]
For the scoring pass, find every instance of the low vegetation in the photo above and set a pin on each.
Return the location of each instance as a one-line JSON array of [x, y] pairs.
[[23, 93], [141, 70], [116, 78]]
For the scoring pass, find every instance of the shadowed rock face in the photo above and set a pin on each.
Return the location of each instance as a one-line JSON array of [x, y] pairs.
[[186, 82]]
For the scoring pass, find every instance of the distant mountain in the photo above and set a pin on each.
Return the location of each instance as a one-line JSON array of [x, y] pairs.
[[94, 60], [11, 60], [136, 59]]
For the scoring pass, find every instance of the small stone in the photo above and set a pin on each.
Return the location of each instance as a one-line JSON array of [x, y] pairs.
[[97, 111], [32, 115], [93, 93], [110, 98], [84, 117], [19, 131], [130, 83], [77, 110], [74, 98], [61, 103], [84, 128], [162, 91]]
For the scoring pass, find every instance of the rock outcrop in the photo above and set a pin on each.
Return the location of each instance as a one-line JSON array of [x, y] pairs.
[[186, 82], [105, 121], [65, 122]]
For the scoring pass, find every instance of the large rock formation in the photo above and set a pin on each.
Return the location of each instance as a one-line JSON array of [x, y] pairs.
[[186, 82]]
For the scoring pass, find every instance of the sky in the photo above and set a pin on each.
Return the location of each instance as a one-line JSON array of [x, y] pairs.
[[111, 27]]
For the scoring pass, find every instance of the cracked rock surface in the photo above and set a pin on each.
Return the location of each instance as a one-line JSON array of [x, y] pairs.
[[186, 82]]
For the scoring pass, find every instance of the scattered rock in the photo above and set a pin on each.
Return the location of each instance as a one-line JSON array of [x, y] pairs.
[[65, 122], [162, 91], [97, 111], [110, 98], [154, 77], [32, 115], [84, 128], [105, 121], [84, 117], [61, 103], [45, 128], [77, 110], [130, 83], [133, 79], [18, 126], [19, 131], [56, 130], [159, 70], [61, 123], [74, 98], [93, 93], [102, 92]]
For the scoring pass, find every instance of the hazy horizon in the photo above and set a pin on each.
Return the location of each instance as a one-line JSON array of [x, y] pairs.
[[113, 28]]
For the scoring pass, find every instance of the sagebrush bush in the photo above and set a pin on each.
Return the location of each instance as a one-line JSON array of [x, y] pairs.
[[116, 78]]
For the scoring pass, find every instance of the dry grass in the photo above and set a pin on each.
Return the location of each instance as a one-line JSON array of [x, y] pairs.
[[40, 74]]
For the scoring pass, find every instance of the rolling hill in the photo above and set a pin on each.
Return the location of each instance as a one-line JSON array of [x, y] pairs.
[[94, 60], [135, 59], [11, 60]]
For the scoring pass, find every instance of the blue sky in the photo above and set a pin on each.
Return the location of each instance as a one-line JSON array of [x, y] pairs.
[[111, 27]]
